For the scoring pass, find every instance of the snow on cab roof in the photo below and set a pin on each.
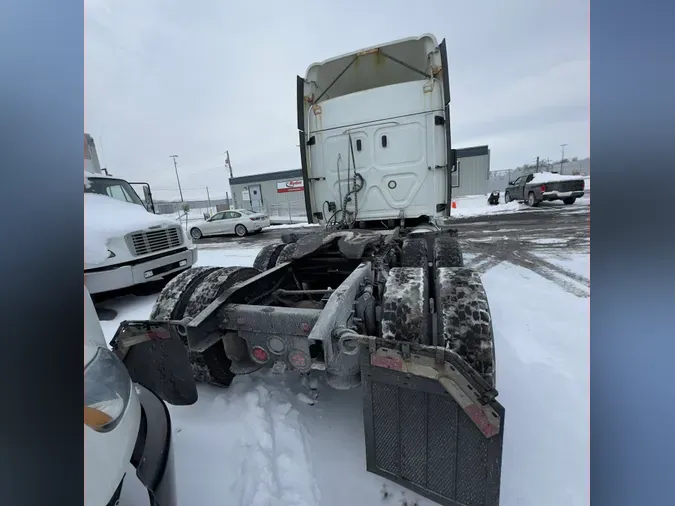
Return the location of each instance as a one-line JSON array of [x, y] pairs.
[[106, 218], [88, 174]]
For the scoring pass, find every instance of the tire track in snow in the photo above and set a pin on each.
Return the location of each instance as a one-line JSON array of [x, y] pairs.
[[488, 253], [275, 467], [556, 275]]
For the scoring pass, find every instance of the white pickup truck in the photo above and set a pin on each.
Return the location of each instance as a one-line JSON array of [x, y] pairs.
[[124, 243]]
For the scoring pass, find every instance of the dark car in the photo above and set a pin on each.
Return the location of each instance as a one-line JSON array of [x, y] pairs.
[[545, 186]]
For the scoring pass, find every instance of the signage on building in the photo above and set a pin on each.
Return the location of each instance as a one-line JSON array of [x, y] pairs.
[[245, 195], [296, 185]]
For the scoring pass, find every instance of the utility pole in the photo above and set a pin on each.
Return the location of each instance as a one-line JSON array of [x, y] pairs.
[[175, 166], [537, 164], [208, 198], [562, 157], [228, 164]]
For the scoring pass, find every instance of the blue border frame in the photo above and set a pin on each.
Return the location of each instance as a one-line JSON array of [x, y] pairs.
[[42, 254], [633, 259]]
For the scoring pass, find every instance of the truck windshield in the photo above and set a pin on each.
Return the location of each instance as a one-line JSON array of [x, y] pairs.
[[116, 188]]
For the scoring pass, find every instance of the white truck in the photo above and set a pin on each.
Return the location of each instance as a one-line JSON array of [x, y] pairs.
[[125, 424], [368, 301], [125, 242]]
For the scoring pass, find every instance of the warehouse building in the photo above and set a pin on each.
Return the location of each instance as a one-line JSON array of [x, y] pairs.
[[473, 172], [276, 193], [282, 193]]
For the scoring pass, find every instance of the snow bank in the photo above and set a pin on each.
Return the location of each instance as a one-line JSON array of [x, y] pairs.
[[476, 205], [106, 218], [551, 177], [292, 225]]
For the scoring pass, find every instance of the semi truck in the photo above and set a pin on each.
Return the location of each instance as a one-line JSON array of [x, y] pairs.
[[126, 243], [377, 299]]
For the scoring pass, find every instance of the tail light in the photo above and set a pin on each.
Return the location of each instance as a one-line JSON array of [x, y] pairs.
[[543, 188], [583, 184], [299, 360], [259, 354]]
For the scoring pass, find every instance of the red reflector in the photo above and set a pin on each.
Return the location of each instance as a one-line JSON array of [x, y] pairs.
[[394, 363], [158, 334], [543, 187], [299, 360], [259, 354]]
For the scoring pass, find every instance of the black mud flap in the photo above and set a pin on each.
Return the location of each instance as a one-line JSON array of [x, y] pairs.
[[156, 358], [432, 424]]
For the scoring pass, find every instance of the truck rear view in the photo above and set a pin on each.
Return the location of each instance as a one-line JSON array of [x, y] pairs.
[[392, 312], [375, 135]]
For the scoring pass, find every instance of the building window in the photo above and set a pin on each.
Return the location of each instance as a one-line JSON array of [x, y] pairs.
[[455, 175]]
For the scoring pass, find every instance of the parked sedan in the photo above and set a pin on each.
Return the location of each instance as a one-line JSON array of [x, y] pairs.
[[237, 221], [545, 186]]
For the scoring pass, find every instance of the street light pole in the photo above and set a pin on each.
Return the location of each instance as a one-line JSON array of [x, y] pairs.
[[175, 166], [562, 157]]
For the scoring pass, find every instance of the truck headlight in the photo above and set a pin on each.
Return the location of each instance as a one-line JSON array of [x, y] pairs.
[[107, 387]]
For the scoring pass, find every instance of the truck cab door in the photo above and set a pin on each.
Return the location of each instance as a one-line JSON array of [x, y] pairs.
[[526, 181], [518, 189]]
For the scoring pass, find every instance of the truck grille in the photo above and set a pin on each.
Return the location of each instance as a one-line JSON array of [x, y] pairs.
[[153, 241]]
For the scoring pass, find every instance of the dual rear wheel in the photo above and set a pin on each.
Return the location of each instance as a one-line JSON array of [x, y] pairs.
[[459, 318]]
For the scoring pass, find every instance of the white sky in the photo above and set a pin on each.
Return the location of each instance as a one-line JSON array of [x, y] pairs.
[[166, 77]]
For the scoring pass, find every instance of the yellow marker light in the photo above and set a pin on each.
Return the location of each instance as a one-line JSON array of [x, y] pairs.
[[96, 419], [107, 388]]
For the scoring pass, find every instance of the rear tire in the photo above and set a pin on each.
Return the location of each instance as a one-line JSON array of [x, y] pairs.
[[267, 257], [414, 253], [507, 197], [447, 252], [570, 200], [240, 230], [405, 305], [286, 254], [186, 296], [195, 233], [532, 200], [463, 317]]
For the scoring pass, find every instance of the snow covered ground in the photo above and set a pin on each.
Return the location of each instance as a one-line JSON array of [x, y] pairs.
[[258, 444]]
